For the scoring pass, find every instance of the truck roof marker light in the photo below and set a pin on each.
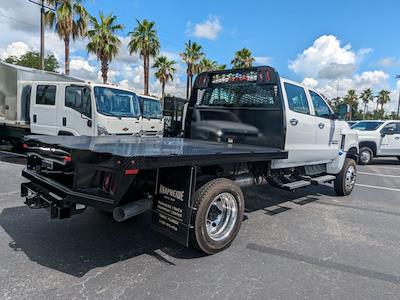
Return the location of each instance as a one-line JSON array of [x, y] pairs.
[[131, 171]]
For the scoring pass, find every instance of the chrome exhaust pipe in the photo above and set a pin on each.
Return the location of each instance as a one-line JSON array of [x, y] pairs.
[[122, 213]]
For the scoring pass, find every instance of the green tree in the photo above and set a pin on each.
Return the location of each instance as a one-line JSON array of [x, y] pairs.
[[144, 40], [366, 97], [103, 41], [192, 54], [205, 65], [351, 98], [70, 22], [242, 59], [31, 59], [383, 98], [165, 71]]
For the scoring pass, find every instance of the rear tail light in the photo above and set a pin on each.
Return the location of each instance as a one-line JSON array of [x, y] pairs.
[[110, 184]]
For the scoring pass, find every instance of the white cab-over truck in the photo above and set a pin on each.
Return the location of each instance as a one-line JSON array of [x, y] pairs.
[[39, 102], [152, 116], [267, 130], [378, 139]]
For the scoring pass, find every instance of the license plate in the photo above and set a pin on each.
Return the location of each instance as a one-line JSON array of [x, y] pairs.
[[47, 164]]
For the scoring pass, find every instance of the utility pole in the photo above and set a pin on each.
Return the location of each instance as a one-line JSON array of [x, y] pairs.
[[42, 37]]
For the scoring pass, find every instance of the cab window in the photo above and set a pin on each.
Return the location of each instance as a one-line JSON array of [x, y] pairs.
[[46, 94], [297, 98], [78, 98], [391, 128], [320, 107]]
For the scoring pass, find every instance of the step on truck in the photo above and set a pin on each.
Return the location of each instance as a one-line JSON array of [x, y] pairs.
[[242, 127]]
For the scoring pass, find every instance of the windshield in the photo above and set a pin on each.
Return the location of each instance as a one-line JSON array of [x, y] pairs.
[[151, 108], [241, 95], [117, 103], [366, 126]]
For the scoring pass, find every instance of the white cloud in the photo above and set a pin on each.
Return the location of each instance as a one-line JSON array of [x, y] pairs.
[[262, 60], [325, 55], [387, 62], [310, 82], [331, 68], [209, 29], [14, 49]]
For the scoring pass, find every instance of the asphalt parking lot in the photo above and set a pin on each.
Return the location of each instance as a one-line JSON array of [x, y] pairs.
[[309, 244]]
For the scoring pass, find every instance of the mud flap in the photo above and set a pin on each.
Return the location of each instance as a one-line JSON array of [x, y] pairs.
[[173, 201]]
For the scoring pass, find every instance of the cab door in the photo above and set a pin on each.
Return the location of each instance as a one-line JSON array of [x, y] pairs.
[[328, 134], [300, 127], [43, 110], [75, 117], [390, 139]]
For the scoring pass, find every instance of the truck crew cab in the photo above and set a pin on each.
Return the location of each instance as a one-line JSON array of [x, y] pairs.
[[378, 139], [268, 129]]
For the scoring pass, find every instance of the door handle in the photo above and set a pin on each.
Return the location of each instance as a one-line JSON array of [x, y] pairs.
[[64, 121], [321, 125], [294, 122], [34, 118]]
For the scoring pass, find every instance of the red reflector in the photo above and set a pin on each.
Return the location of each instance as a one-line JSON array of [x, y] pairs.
[[67, 158], [131, 171]]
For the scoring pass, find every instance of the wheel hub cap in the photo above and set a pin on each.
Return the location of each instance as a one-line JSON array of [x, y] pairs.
[[221, 216], [350, 177]]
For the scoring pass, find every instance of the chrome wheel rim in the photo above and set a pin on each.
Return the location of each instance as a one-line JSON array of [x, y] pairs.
[[221, 216], [350, 177], [365, 156]]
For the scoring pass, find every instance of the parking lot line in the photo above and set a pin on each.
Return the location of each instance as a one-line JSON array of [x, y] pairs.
[[378, 187], [379, 167], [381, 175]]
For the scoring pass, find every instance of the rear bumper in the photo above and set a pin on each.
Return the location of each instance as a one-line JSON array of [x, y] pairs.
[[54, 193]]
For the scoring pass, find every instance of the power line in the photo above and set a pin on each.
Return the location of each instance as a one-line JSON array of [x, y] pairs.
[[17, 20]]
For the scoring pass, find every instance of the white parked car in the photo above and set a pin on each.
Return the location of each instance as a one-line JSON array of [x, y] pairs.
[[378, 139]]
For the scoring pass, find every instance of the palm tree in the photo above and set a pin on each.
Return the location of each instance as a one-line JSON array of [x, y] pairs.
[[242, 59], [69, 20], [192, 54], [352, 99], [366, 97], [144, 40], [103, 41], [165, 71], [205, 65], [383, 98]]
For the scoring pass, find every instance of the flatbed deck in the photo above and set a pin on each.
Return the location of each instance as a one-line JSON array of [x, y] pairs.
[[162, 152]]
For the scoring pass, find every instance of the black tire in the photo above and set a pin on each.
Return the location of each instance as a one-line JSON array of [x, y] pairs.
[[365, 157], [203, 203], [344, 182]]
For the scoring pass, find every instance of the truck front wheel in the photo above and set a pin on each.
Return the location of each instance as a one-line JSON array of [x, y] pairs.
[[346, 179], [218, 214], [366, 156]]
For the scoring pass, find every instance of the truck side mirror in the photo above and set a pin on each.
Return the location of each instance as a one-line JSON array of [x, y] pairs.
[[387, 131], [89, 123], [344, 111]]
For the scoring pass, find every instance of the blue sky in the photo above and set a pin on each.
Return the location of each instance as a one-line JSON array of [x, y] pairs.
[[330, 45]]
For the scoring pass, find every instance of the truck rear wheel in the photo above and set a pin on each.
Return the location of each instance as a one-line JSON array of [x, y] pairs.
[[218, 214], [346, 179], [366, 156]]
